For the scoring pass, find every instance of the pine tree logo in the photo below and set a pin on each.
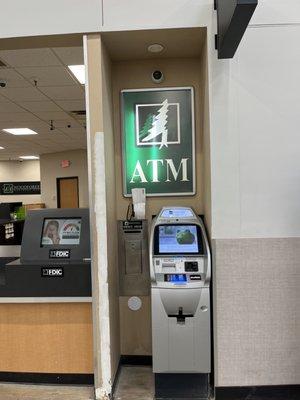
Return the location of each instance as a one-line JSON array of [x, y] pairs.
[[157, 124], [8, 188]]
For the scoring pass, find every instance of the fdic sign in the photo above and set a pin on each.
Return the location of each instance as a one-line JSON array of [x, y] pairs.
[[52, 272], [158, 138]]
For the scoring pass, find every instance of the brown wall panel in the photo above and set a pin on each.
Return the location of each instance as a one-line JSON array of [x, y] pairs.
[[53, 338], [135, 328]]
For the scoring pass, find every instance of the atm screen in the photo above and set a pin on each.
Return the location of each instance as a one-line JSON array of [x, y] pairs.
[[61, 231], [178, 239]]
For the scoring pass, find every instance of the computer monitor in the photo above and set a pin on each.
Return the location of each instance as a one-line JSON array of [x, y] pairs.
[[178, 239], [56, 235]]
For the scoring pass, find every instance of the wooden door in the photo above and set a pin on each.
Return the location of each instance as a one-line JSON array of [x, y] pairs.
[[67, 192]]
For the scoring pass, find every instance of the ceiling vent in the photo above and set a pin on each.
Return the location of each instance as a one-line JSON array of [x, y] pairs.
[[78, 113]]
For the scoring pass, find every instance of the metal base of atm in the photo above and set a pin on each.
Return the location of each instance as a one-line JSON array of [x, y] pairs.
[[181, 386]]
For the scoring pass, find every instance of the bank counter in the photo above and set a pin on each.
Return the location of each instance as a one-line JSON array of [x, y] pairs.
[[45, 301]]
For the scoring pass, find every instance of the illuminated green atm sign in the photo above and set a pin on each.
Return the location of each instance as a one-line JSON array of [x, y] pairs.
[[159, 141]]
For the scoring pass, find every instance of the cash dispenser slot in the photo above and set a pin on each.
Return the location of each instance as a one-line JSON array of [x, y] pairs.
[[180, 316]]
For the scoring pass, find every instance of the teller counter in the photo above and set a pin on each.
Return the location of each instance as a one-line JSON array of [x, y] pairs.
[[45, 301]]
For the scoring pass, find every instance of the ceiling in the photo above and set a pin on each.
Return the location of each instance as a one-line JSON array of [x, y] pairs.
[[40, 88], [128, 45]]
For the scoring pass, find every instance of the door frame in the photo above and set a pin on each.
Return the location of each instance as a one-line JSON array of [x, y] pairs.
[[58, 188]]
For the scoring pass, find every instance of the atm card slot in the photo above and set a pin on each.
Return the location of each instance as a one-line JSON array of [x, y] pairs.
[[169, 265]]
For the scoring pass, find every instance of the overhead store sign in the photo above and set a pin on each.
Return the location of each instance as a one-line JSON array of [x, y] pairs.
[[19, 188], [158, 141]]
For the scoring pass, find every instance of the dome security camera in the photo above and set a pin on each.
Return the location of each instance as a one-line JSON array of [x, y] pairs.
[[3, 83], [157, 76]]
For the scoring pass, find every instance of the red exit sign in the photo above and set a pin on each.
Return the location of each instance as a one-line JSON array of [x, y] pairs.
[[65, 163]]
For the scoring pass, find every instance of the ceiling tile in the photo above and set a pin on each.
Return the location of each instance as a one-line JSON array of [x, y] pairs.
[[29, 57], [34, 106], [23, 94], [60, 139], [70, 55], [48, 76], [63, 126], [23, 105], [9, 106], [72, 105], [55, 116], [17, 117], [35, 125], [13, 79], [64, 92]]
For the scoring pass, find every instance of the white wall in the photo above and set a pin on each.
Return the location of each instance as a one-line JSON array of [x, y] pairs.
[[130, 14], [16, 171], [51, 169], [255, 136], [255, 173], [277, 12], [36, 17]]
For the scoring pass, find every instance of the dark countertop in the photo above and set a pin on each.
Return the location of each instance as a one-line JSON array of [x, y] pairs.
[[10, 221]]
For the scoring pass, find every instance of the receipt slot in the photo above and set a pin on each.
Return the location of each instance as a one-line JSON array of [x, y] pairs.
[[180, 266]]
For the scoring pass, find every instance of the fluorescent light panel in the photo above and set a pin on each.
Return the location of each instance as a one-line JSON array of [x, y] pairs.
[[29, 157], [20, 131], [79, 72]]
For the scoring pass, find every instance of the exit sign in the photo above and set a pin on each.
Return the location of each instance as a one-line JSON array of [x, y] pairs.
[[65, 163]]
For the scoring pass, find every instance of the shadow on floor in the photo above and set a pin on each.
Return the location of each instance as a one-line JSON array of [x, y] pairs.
[[135, 383]]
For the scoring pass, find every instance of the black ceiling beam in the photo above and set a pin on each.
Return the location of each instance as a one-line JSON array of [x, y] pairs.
[[233, 19]]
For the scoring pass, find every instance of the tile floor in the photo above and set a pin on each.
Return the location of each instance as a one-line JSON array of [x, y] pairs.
[[11, 391], [135, 383]]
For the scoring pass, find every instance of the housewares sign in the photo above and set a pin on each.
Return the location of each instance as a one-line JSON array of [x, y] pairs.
[[158, 141], [15, 188]]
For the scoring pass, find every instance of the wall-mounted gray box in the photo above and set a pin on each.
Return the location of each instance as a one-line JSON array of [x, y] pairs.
[[134, 276]]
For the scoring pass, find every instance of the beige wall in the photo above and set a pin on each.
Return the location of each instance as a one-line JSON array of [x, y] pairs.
[[16, 171], [103, 215], [51, 169], [257, 313], [137, 74], [206, 141], [136, 326], [111, 209]]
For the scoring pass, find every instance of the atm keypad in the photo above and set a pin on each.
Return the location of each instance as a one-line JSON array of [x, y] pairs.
[[191, 266]]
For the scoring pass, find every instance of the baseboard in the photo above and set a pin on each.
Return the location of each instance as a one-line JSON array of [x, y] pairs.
[[175, 386], [33, 377], [288, 392], [135, 360]]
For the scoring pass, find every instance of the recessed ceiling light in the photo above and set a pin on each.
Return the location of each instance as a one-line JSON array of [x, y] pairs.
[[29, 157], [155, 48], [79, 72], [20, 131], [1, 148]]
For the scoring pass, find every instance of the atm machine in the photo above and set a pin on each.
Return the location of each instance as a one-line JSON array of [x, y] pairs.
[[180, 267]]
